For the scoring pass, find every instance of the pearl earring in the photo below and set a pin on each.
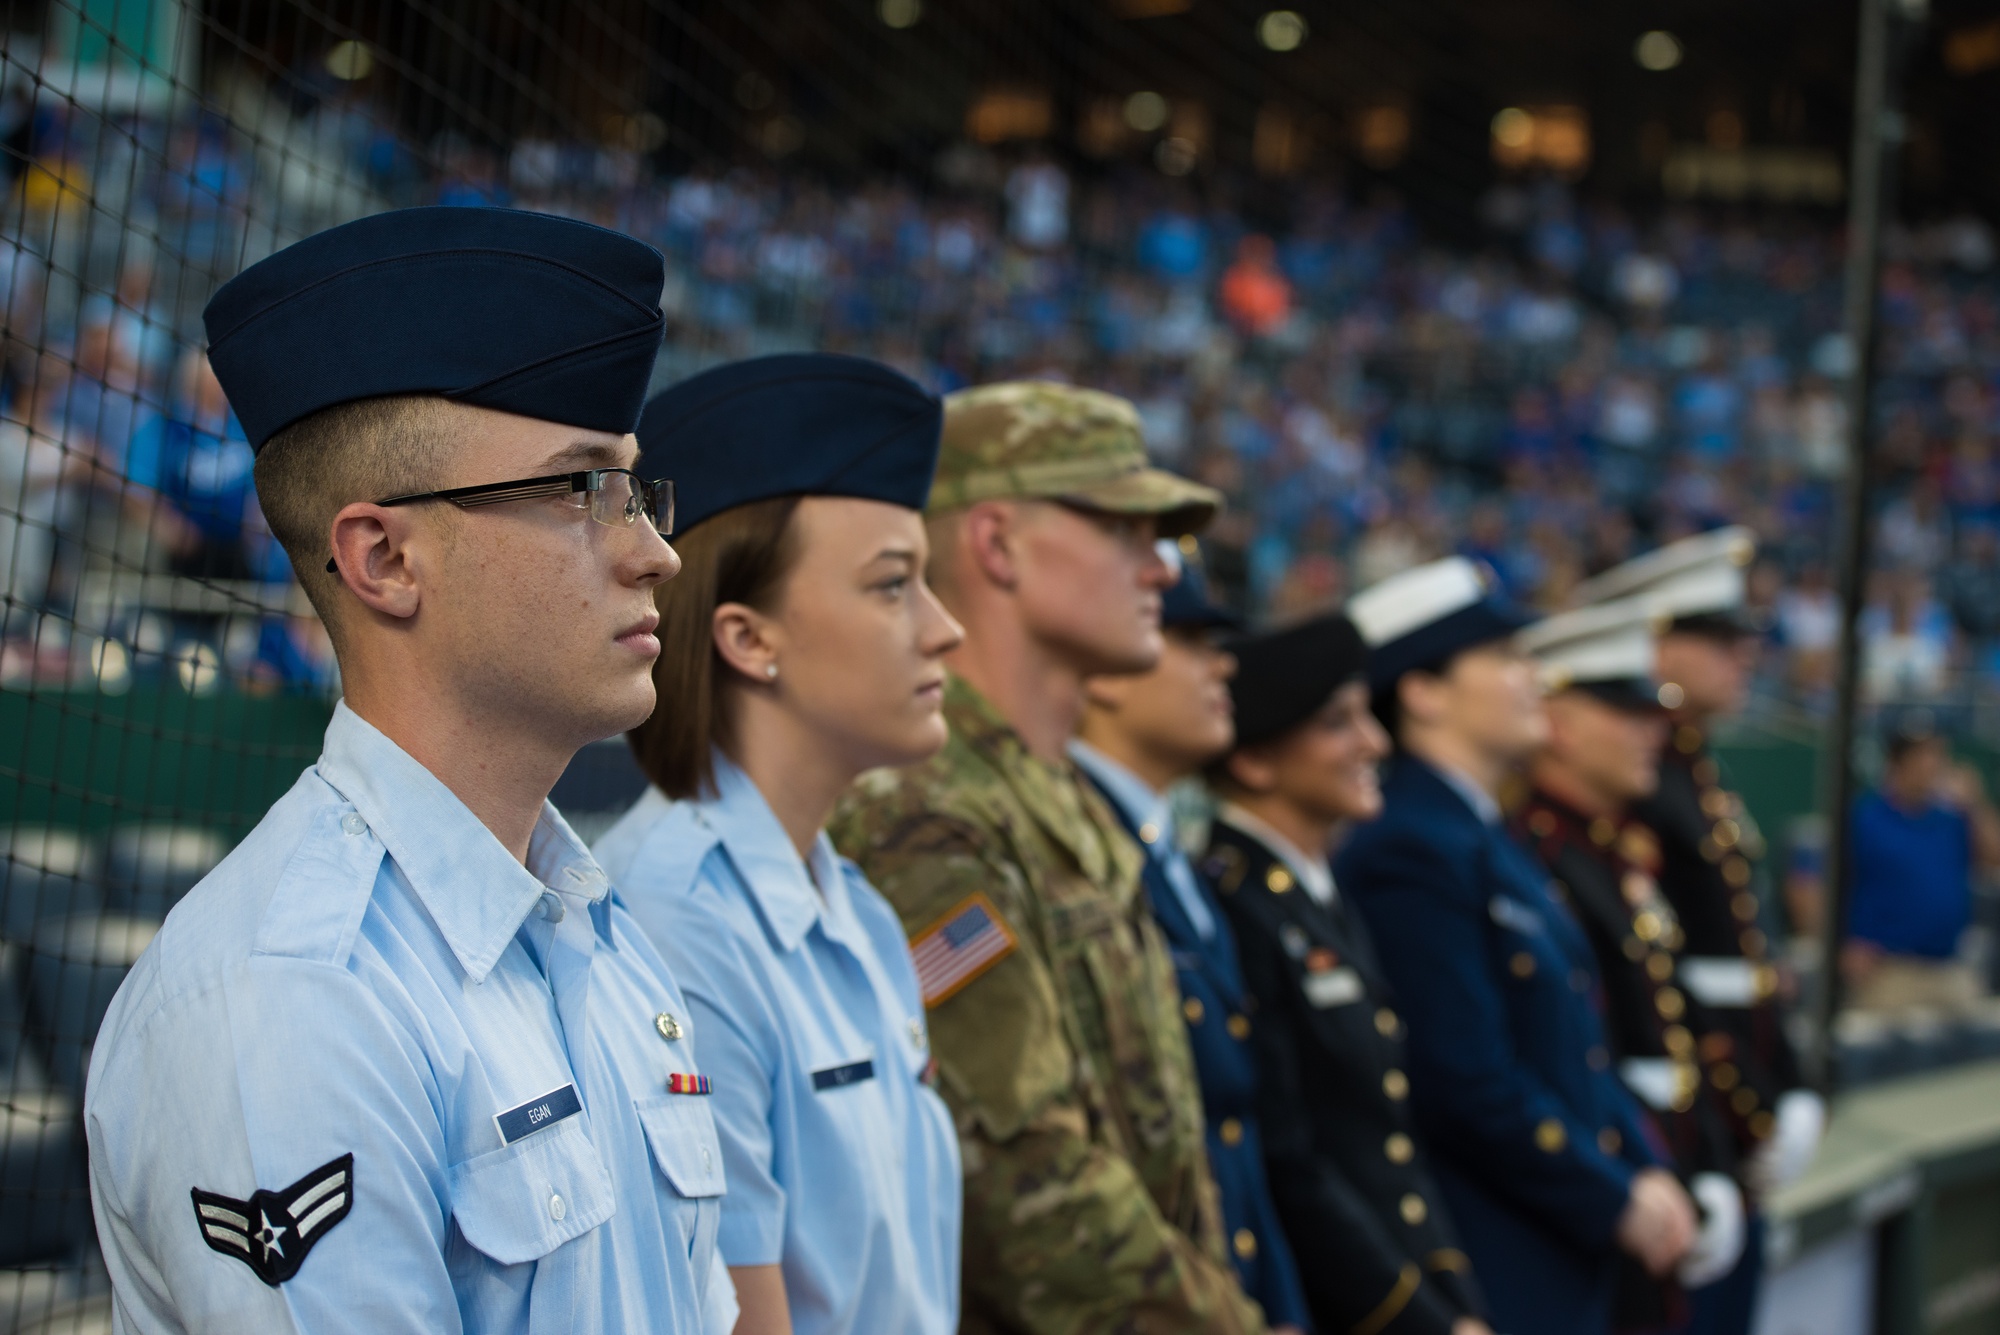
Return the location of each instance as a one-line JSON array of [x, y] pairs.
[[771, 671]]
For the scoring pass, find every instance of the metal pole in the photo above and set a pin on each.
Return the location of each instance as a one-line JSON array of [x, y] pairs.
[[1877, 129]]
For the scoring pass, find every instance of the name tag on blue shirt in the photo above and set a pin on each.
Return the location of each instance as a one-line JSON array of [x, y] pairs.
[[835, 1077], [535, 1114]]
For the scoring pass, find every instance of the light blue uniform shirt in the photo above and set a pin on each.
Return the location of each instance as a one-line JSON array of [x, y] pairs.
[[1148, 810], [370, 973], [843, 1164]]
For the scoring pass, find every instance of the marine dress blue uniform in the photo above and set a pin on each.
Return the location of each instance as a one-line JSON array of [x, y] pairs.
[[842, 1162], [1216, 1007]]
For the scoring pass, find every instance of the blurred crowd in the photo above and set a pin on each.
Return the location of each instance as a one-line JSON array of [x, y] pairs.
[[1572, 385]]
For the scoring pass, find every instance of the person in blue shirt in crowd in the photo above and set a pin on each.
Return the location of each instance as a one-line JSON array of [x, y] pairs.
[[1139, 736], [401, 1062], [1543, 1158], [1917, 841], [804, 648], [198, 460]]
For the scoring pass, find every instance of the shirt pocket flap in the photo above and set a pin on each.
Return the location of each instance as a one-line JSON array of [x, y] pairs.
[[522, 1201], [682, 1136]]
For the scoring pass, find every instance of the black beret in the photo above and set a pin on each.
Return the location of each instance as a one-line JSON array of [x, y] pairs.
[[796, 424], [1284, 677], [522, 312]]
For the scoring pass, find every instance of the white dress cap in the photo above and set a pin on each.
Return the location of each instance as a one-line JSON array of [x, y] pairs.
[[1608, 642], [1700, 574], [1412, 599]]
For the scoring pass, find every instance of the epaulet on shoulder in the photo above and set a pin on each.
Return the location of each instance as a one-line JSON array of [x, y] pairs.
[[315, 909], [669, 859]]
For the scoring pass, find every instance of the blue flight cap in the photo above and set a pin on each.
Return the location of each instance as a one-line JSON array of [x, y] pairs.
[[1420, 619], [525, 313], [1186, 603], [796, 424]]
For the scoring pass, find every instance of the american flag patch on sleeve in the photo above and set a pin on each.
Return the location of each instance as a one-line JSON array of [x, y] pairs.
[[960, 946]]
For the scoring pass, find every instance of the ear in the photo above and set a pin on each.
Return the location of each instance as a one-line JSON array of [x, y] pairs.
[[382, 555], [745, 638], [1420, 696], [1251, 768], [989, 533]]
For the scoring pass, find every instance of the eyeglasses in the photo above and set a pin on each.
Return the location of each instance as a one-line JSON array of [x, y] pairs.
[[615, 497]]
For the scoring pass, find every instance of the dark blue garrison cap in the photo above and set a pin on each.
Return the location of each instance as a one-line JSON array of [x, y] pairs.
[[797, 424], [521, 312], [1186, 604]]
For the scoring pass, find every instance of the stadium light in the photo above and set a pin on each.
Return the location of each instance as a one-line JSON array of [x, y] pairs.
[[350, 61], [1514, 129], [1657, 50], [1146, 112], [1281, 30], [900, 13]]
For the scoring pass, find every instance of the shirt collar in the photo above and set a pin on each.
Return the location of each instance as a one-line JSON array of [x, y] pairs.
[[1132, 794], [1311, 873], [791, 897], [472, 887], [1484, 805]]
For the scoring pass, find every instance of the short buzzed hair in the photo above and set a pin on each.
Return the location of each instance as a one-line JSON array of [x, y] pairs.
[[359, 451]]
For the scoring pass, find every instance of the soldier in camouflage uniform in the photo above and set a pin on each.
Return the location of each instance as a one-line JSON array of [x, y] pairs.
[[1054, 1016]]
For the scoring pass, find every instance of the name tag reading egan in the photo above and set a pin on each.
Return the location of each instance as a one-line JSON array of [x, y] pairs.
[[835, 1077], [535, 1114]]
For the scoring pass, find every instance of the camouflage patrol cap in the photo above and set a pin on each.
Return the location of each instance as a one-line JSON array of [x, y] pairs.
[[1036, 440]]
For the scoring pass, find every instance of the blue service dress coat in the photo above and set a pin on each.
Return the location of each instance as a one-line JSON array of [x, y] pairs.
[[1217, 1008], [1535, 1141]]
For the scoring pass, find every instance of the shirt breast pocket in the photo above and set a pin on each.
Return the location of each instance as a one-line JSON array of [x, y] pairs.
[[681, 1134], [519, 1203]]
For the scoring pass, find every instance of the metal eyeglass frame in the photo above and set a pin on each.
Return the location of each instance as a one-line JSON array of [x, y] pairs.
[[656, 498]]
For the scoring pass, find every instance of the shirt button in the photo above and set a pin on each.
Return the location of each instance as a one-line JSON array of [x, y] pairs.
[[550, 906], [1400, 1148], [1609, 1141], [557, 1207], [707, 1159], [1231, 1131], [1149, 833], [1192, 1010], [1245, 1243], [1414, 1210], [1239, 1027], [1385, 1022], [1551, 1136], [352, 823], [1395, 1084]]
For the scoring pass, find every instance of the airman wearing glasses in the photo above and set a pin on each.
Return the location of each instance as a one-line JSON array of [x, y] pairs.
[[396, 1065]]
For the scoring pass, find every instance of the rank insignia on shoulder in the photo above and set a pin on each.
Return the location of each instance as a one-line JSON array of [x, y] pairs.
[[680, 1082], [957, 948], [273, 1230]]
